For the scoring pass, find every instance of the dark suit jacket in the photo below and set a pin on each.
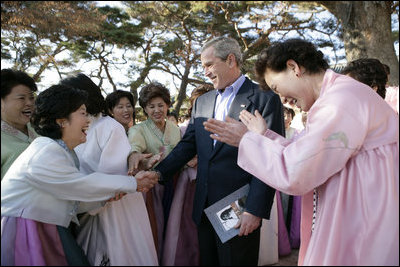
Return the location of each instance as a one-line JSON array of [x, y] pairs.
[[218, 174]]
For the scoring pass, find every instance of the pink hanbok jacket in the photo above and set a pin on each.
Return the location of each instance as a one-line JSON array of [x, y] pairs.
[[349, 153]]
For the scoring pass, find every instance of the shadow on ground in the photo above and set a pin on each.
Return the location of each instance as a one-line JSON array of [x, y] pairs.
[[289, 260]]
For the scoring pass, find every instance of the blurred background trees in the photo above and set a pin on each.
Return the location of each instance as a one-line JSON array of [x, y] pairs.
[[134, 42]]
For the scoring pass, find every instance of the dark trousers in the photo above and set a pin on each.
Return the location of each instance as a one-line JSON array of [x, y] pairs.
[[238, 251]]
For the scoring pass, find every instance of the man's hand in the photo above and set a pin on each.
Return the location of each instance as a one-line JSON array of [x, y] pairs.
[[247, 223], [193, 162], [229, 131], [146, 180], [134, 160], [254, 123]]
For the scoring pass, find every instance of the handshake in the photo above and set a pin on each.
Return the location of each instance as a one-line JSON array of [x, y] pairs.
[[146, 180]]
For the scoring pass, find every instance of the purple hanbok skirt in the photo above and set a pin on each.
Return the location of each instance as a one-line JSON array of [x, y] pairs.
[[30, 243]]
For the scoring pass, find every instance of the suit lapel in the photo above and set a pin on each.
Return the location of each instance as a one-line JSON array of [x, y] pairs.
[[240, 102]]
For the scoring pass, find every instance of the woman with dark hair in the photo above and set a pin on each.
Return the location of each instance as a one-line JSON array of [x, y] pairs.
[[43, 190], [119, 233], [121, 107], [369, 71], [17, 106], [345, 164], [154, 136]]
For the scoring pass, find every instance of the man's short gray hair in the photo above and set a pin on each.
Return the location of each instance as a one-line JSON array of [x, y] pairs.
[[223, 46]]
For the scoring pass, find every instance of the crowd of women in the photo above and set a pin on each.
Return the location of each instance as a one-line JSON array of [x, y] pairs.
[[77, 186], [120, 226]]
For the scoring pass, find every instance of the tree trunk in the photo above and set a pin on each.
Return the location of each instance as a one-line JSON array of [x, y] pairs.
[[367, 31], [182, 89], [134, 86]]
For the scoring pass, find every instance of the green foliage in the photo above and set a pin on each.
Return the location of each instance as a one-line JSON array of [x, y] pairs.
[[162, 35], [35, 32], [116, 29]]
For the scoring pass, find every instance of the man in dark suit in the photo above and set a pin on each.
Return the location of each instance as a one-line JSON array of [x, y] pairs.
[[218, 174]]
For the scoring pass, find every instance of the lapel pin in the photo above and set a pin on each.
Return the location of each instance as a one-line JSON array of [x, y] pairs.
[[242, 105]]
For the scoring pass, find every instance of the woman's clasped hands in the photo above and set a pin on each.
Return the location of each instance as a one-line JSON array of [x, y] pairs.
[[139, 161], [231, 131]]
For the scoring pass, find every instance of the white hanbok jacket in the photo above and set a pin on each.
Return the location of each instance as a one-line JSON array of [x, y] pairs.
[[118, 233], [44, 184]]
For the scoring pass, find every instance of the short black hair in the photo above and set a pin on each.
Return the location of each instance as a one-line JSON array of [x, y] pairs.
[[95, 103], [11, 78], [387, 68], [113, 98], [56, 102], [172, 113], [290, 111], [274, 57], [153, 90], [369, 71]]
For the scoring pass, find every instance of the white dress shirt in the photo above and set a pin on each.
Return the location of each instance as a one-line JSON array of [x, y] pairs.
[[225, 98]]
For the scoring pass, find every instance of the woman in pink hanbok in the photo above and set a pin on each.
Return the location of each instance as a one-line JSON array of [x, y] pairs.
[[345, 164]]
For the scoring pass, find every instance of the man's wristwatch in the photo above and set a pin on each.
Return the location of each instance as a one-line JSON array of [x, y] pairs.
[[159, 176]]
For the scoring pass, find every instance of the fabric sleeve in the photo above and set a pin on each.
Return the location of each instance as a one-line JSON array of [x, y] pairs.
[[309, 161], [136, 139], [279, 139], [60, 178], [115, 149]]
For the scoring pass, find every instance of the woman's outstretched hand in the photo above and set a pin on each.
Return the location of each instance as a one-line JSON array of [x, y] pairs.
[[254, 123]]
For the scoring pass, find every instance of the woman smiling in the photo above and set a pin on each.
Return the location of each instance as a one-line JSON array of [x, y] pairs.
[[17, 105], [345, 164], [43, 190], [151, 137]]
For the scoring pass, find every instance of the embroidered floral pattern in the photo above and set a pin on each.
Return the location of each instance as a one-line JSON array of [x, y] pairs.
[[10, 130], [341, 136]]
